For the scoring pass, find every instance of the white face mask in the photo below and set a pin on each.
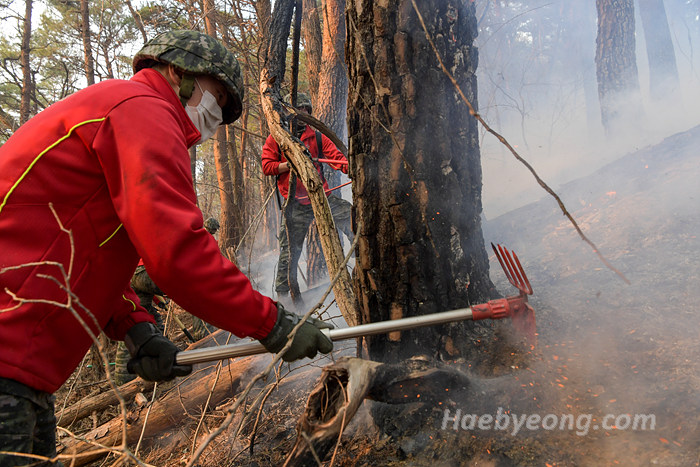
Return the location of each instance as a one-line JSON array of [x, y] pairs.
[[206, 116]]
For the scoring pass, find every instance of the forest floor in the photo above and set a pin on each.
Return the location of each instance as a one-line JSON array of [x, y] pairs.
[[607, 351], [605, 347]]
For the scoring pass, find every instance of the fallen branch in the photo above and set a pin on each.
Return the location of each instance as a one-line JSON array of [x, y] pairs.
[[190, 396]]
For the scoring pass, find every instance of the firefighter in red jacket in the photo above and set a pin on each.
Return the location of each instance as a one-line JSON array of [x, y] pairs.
[[297, 213], [76, 183]]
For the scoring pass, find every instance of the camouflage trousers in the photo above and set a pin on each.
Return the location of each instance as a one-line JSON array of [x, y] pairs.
[[291, 242], [27, 424]]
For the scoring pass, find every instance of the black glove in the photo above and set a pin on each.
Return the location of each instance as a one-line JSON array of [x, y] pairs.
[[307, 342], [152, 354]]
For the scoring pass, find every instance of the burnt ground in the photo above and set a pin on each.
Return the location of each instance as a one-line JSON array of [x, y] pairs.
[[605, 347]]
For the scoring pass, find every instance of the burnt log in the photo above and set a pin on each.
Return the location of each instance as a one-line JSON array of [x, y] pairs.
[[85, 407], [99, 402], [203, 390]]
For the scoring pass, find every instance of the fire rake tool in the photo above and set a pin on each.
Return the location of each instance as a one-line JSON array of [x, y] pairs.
[[516, 308], [331, 161]]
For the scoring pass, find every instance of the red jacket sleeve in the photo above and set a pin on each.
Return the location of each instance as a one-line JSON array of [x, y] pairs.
[[129, 313], [146, 164], [330, 151], [271, 159]]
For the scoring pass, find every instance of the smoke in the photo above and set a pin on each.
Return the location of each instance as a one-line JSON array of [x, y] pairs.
[[537, 88]]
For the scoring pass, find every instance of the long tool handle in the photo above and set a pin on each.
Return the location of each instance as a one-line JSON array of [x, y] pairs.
[[210, 354]]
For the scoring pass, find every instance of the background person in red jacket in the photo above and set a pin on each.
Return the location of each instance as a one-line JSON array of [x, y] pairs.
[[97, 164], [298, 215]]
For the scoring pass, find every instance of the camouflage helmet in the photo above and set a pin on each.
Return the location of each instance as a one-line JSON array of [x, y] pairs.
[[196, 54], [303, 100], [211, 225]]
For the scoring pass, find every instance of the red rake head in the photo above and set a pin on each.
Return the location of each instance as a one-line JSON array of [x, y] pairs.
[[512, 268], [522, 315]]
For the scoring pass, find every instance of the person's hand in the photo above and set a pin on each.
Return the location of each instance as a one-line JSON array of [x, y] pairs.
[[308, 339], [153, 355]]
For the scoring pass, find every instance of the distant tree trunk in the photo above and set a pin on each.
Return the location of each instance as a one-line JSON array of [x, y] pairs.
[[663, 72], [25, 51], [311, 27], [87, 42], [580, 39], [330, 106], [331, 100], [193, 167], [137, 19], [263, 10], [238, 182], [417, 172], [616, 64], [229, 227]]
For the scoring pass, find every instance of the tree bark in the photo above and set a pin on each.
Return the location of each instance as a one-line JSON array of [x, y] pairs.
[[663, 72], [25, 51], [616, 64], [271, 77], [332, 99], [88, 61], [311, 27], [417, 172]]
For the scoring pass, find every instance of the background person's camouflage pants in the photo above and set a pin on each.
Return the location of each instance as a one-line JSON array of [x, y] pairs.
[[291, 245], [27, 424]]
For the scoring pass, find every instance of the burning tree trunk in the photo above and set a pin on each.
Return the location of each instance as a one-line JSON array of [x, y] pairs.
[[616, 63], [417, 171]]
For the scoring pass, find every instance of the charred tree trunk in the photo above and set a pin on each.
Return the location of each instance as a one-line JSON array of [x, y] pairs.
[[89, 63], [616, 64], [417, 171], [25, 51], [663, 72]]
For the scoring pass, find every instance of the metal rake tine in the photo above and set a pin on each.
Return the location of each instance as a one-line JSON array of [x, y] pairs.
[[504, 265], [500, 261], [514, 270], [515, 274], [525, 282]]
